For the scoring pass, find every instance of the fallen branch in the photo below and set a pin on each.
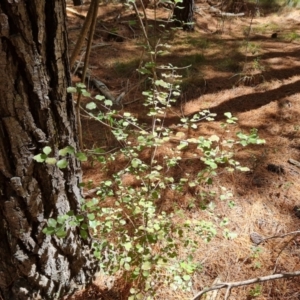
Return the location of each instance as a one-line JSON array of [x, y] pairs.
[[218, 12], [294, 162], [230, 285], [105, 91], [75, 12], [279, 236]]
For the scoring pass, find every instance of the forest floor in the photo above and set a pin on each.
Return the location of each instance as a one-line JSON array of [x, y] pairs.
[[254, 76]]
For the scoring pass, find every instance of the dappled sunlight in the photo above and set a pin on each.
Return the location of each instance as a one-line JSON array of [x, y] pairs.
[[258, 81]]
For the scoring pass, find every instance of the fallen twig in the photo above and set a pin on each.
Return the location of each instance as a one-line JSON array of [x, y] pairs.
[[105, 91], [285, 245], [75, 12], [278, 236], [294, 162], [230, 285], [218, 12]]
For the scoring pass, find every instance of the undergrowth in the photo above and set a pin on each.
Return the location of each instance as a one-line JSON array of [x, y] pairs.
[[132, 233]]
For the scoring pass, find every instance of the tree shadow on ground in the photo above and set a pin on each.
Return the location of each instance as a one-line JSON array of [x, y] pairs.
[[255, 100]]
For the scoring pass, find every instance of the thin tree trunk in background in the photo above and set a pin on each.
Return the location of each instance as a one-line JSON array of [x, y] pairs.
[[183, 14], [36, 111]]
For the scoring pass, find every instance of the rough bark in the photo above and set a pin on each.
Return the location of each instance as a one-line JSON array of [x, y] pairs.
[[36, 111], [183, 14]]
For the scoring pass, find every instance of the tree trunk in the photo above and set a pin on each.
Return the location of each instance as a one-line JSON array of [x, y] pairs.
[[36, 111], [183, 14]]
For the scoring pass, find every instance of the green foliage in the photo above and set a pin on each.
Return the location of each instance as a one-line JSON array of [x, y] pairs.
[[60, 163], [60, 226], [266, 28], [256, 291], [252, 47], [80, 89], [291, 36], [255, 254], [293, 3], [255, 251], [132, 234]]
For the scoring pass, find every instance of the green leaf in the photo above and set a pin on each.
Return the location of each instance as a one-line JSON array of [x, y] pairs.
[[146, 266], [50, 160], [66, 150], [61, 233], [47, 150], [62, 163], [91, 216], [144, 71], [62, 219], [79, 218], [136, 162], [80, 85], [108, 183], [81, 156], [52, 222], [48, 230], [139, 296], [146, 273], [243, 169], [70, 213], [162, 83], [83, 234], [71, 89], [85, 93], [40, 157], [73, 223], [182, 145], [186, 277], [100, 97], [108, 102], [127, 246], [228, 115], [127, 266], [184, 120], [91, 106], [84, 226]]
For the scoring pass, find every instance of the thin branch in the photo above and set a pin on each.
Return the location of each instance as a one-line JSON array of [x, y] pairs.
[[285, 245], [82, 34], [94, 6], [278, 236], [230, 285], [146, 39]]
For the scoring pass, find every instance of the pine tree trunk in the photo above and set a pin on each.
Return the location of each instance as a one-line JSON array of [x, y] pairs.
[[183, 14], [36, 111]]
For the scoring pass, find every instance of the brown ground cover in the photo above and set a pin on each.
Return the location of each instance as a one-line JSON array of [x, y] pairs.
[[259, 83]]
